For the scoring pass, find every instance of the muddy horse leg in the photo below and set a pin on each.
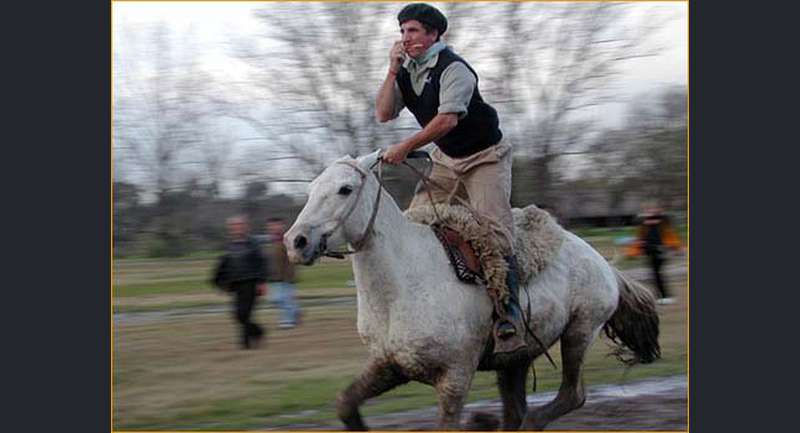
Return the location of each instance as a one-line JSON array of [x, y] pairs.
[[571, 395], [511, 382], [376, 379], [452, 388]]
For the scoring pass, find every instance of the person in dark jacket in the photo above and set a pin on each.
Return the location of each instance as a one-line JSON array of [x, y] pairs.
[[470, 157], [242, 272]]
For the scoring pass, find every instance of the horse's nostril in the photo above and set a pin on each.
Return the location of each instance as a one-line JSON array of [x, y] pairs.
[[300, 242]]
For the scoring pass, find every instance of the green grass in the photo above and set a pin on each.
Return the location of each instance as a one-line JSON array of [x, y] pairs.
[[185, 276], [605, 231], [173, 287], [310, 400], [187, 373], [326, 274], [168, 306], [250, 410], [204, 254]]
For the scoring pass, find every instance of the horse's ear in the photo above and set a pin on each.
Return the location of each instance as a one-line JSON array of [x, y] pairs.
[[366, 161]]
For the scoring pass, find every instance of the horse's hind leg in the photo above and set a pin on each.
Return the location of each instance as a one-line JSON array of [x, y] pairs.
[[571, 395], [376, 379], [511, 382]]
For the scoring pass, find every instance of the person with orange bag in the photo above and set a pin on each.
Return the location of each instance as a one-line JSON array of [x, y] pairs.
[[654, 236]]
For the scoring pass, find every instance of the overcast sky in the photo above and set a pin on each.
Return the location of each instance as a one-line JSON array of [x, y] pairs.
[[210, 27]]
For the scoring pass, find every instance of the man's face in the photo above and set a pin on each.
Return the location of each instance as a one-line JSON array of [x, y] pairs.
[[415, 39], [237, 228]]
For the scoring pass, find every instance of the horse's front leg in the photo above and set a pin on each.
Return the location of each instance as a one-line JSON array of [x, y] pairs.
[[377, 378], [452, 388]]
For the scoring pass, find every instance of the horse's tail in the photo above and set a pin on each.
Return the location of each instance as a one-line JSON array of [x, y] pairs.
[[634, 324]]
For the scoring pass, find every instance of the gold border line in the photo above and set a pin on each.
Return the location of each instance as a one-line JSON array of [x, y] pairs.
[[111, 282], [688, 224]]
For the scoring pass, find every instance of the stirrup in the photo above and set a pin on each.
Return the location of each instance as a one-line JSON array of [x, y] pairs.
[[507, 343]]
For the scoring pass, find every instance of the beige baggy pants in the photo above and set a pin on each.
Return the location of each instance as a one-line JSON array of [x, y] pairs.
[[483, 179]]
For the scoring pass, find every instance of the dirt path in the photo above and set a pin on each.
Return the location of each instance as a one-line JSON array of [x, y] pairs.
[[652, 404]]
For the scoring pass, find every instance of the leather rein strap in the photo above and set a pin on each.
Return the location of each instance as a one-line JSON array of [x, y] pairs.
[[480, 219]]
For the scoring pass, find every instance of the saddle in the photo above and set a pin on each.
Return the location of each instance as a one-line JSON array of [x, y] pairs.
[[462, 256], [538, 239]]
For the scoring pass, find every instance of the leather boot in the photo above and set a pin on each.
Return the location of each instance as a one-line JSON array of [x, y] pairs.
[[509, 329]]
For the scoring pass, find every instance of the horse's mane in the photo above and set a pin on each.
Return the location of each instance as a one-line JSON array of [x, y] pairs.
[[366, 161]]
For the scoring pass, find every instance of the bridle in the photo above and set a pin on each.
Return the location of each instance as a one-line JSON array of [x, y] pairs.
[[358, 244]]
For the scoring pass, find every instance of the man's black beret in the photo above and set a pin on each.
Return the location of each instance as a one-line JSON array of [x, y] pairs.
[[424, 13]]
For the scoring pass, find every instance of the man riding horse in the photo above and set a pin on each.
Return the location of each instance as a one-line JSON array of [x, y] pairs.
[[471, 159]]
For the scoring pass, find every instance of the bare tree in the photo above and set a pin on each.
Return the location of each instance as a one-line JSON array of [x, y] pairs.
[[647, 156], [317, 68], [559, 62], [158, 119], [159, 124]]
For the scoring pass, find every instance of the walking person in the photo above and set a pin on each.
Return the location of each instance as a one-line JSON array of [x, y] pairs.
[[242, 272], [654, 236], [281, 273]]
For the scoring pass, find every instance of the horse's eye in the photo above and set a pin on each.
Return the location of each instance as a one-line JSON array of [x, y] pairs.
[[345, 190]]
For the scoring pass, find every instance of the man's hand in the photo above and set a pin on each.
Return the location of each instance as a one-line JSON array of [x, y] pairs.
[[261, 289], [435, 129], [395, 154], [396, 56]]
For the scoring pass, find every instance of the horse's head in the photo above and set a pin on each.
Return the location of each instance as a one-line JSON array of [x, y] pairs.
[[338, 209]]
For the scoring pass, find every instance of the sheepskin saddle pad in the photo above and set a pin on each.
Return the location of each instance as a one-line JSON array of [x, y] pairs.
[[538, 237]]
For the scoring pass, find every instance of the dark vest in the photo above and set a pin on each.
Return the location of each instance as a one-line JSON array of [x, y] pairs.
[[478, 130]]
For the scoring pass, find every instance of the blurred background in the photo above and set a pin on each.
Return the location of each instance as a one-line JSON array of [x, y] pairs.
[[227, 108]]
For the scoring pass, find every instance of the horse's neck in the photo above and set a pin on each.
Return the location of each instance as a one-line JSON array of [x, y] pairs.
[[390, 251], [391, 230]]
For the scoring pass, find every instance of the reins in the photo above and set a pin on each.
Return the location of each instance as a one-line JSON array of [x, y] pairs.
[[357, 245], [427, 181]]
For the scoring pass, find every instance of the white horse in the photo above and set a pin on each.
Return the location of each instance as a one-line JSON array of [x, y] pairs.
[[422, 323]]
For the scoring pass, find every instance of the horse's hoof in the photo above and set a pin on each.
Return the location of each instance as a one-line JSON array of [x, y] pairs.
[[483, 421]]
